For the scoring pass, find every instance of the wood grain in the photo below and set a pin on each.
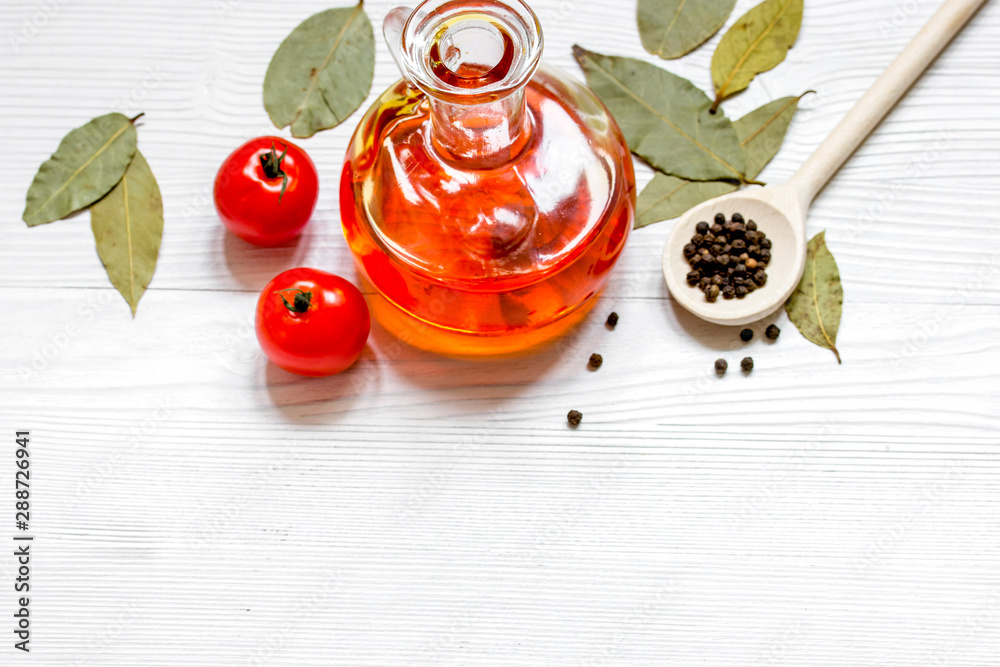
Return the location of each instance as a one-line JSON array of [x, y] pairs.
[[193, 505]]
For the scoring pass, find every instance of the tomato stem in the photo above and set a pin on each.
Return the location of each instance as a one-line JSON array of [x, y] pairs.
[[271, 163], [301, 301]]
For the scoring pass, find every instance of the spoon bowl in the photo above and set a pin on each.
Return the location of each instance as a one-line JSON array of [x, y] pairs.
[[780, 211], [780, 215]]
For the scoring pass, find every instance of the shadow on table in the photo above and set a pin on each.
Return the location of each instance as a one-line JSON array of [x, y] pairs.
[[456, 386], [253, 266], [714, 336]]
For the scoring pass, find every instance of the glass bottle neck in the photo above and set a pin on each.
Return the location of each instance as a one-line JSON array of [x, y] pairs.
[[473, 59], [480, 136]]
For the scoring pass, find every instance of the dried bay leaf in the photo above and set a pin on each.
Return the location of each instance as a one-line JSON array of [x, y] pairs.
[[89, 162], [128, 227], [763, 130], [665, 118], [757, 42], [667, 197], [816, 304], [671, 28], [322, 72]]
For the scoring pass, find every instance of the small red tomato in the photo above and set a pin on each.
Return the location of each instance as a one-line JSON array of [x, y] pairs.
[[312, 322], [266, 191]]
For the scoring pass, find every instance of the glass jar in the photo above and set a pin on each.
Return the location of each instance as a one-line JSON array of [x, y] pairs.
[[484, 196]]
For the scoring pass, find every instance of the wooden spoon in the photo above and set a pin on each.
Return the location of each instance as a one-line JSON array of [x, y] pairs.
[[780, 211]]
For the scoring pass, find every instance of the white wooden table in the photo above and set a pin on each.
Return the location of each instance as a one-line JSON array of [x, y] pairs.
[[193, 505]]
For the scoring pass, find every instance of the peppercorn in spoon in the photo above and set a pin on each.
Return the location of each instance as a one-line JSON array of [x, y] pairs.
[[780, 211]]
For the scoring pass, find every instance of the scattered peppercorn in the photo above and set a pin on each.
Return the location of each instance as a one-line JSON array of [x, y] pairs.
[[747, 364], [746, 335], [595, 361], [728, 255], [772, 332], [574, 417], [721, 366], [612, 320]]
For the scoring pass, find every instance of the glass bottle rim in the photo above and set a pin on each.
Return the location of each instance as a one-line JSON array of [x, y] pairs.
[[435, 21]]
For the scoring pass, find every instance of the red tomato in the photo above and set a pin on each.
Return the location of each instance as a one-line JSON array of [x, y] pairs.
[[266, 191], [312, 322]]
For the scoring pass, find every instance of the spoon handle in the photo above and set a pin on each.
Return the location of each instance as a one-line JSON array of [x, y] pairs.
[[882, 96]]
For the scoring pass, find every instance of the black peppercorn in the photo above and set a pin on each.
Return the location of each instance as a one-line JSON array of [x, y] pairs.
[[747, 364], [721, 366], [765, 255], [595, 361], [746, 335], [765, 244], [612, 320], [726, 257], [772, 332], [574, 417]]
